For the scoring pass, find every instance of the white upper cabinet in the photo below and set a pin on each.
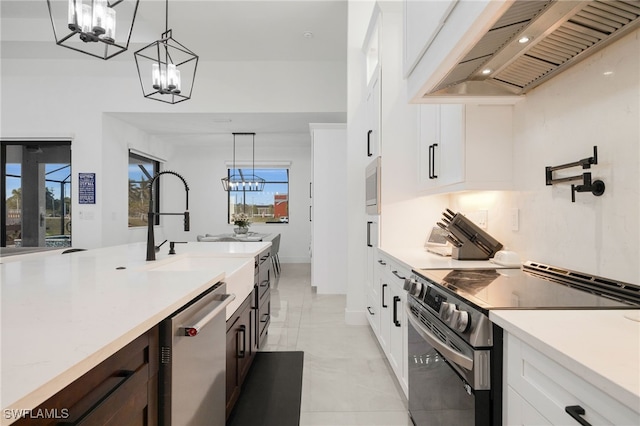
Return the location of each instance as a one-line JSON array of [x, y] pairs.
[[423, 19], [372, 57], [373, 109], [464, 147]]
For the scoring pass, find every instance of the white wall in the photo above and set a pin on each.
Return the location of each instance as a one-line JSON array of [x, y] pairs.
[[69, 98], [559, 122], [203, 166]]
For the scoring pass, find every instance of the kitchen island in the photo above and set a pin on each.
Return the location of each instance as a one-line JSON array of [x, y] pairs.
[[63, 314]]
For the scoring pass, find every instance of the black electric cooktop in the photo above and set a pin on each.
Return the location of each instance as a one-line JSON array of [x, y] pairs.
[[537, 287]]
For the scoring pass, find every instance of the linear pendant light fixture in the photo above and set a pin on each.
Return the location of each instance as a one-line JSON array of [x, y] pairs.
[[241, 181], [89, 26], [166, 68]]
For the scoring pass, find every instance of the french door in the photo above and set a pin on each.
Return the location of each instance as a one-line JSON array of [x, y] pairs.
[[36, 189]]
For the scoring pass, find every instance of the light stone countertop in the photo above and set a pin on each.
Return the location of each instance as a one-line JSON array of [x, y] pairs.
[[64, 314], [419, 258], [601, 346]]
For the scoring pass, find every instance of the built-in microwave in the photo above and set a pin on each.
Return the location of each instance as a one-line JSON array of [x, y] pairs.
[[373, 187]]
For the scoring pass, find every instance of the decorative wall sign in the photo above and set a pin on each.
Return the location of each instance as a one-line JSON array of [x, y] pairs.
[[87, 188]]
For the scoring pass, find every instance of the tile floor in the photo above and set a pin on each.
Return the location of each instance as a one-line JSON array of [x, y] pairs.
[[346, 378]]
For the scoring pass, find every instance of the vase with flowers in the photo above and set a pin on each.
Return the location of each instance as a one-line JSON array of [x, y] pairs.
[[242, 222]]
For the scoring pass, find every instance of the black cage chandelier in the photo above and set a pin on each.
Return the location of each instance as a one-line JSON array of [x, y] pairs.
[[242, 181], [89, 26], [166, 68]]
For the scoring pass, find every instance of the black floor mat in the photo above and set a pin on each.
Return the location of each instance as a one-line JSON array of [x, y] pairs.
[[272, 391]]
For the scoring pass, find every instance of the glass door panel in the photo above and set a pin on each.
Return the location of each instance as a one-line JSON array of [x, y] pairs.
[[36, 187]]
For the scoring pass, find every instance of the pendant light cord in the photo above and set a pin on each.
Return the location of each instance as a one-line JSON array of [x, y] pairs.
[[166, 16]]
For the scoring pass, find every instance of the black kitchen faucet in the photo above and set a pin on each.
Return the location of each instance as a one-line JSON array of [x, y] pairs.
[[151, 245]]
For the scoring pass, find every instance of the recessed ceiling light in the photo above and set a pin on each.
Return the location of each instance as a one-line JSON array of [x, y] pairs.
[[524, 39], [486, 71], [608, 73], [307, 34]]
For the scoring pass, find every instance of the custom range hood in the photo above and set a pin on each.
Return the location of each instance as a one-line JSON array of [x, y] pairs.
[[560, 33]]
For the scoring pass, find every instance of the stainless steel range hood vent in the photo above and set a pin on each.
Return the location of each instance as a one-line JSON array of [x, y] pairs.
[[561, 33]]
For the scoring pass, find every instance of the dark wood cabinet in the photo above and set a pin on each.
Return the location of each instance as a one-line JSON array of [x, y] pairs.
[[263, 296], [240, 351], [247, 328], [121, 390]]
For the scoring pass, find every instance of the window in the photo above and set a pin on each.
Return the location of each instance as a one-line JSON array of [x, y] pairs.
[[35, 184], [271, 205], [141, 171]]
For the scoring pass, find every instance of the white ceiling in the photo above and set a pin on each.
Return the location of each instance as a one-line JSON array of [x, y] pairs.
[[235, 30]]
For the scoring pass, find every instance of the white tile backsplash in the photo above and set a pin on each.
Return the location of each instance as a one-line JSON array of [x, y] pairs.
[[560, 122]]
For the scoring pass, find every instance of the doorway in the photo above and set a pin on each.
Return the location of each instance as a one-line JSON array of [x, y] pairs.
[[36, 189]]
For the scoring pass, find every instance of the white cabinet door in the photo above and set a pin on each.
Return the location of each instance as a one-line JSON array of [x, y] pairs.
[[551, 389], [465, 147], [422, 22], [520, 412], [386, 307], [441, 145], [396, 299], [373, 116]]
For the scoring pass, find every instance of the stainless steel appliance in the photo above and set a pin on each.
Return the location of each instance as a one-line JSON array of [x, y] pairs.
[[455, 352], [192, 370], [372, 187]]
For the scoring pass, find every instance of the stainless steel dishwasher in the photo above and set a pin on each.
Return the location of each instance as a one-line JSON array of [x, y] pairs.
[[192, 366]]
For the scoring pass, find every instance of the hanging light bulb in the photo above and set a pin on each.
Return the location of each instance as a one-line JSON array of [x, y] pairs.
[[171, 77], [85, 22], [109, 25], [155, 75], [98, 16], [74, 17]]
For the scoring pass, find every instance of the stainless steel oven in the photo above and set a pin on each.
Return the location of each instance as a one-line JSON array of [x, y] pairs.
[[455, 351], [450, 381]]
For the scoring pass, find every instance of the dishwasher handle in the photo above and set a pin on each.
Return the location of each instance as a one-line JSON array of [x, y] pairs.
[[192, 331]]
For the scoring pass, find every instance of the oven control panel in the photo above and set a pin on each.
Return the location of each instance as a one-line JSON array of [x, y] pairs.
[[434, 300], [459, 316]]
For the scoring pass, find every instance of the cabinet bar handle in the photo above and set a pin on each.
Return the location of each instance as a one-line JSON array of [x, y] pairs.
[[369, 154], [369, 309], [310, 214], [576, 411], [382, 262], [432, 164], [244, 347], [398, 275], [369, 234], [383, 304], [192, 331], [430, 160], [112, 384], [396, 299]]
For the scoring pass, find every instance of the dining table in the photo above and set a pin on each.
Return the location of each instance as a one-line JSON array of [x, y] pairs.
[[249, 236]]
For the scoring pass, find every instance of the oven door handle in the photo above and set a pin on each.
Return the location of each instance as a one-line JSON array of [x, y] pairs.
[[447, 352]]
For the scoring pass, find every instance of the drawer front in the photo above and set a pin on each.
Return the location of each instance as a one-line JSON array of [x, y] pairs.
[[263, 318], [122, 390], [550, 388]]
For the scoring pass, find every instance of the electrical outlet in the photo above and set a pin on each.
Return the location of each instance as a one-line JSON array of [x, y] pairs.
[[479, 217], [483, 218], [515, 219]]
